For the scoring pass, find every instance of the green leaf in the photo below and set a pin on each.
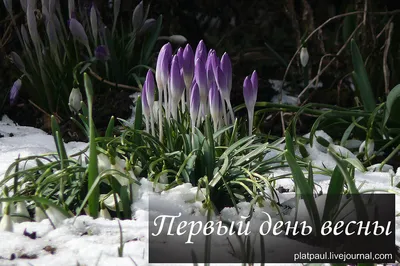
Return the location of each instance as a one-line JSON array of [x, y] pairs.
[[358, 203], [92, 170], [334, 195], [361, 79], [110, 128], [393, 105]]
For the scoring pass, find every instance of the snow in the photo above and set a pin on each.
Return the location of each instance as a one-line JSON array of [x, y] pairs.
[[96, 242]]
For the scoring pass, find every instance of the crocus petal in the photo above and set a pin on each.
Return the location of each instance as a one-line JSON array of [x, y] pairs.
[[222, 84], [226, 67], [137, 16], [194, 102], [188, 65], [254, 80], [215, 102], [162, 67], [150, 87], [78, 31], [178, 39], [201, 79], [179, 55], [248, 94], [102, 53], [15, 91], [93, 22], [177, 84], [149, 23], [145, 104], [201, 52]]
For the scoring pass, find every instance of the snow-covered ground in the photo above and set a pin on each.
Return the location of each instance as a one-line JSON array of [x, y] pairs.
[[95, 242]]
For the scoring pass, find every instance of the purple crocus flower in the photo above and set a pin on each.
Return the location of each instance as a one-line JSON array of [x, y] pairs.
[[150, 85], [162, 67], [201, 80], [194, 103], [145, 106], [78, 31], [188, 65], [254, 81], [215, 104], [250, 97], [209, 67], [145, 103], [15, 91], [179, 55], [226, 67], [137, 16], [177, 85], [102, 53], [201, 51], [93, 22]]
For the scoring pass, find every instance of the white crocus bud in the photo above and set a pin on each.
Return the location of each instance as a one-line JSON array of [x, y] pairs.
[[178, 39], [75, 99], [6, 223], [304, 56], [39, 215], [370, 148], [21, 212], [120, 167], [55, 216]]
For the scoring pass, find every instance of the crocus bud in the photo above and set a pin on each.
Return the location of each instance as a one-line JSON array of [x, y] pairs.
[[201, 79], [222, 84], [179, 55], [209, 67], [177, 83], [188, 65], [149, 23], [102, 53], [162, 67], [215, 104], [249, 94], [6, 223], [201, 52], [8, 5], [137, 17], [93, 22], [17, 61], [194, 102], [178, 39], [145, 104], [304, 56], [150, 88], [75, 99], [226, 67], [254, 81], [250, 98], [78, 31], [15, 91]]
